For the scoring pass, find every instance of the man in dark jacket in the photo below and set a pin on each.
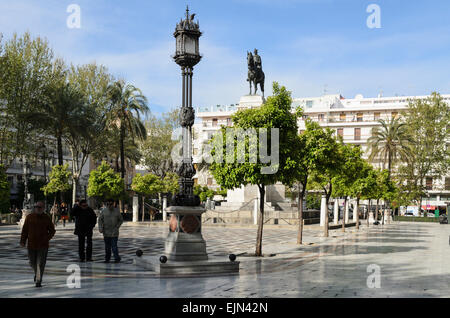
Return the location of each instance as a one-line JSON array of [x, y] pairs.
[[38, 230], [85, 220]]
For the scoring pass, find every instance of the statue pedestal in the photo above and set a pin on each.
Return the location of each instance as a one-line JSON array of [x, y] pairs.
[[185, 248], [250, 101], [185, 241]]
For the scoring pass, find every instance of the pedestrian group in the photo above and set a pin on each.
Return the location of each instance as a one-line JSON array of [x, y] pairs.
[[39, 229]]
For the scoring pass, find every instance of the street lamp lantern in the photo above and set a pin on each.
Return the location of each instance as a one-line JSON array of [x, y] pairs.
[[187, 34]]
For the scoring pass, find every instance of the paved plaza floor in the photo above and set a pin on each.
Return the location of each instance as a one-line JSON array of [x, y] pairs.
[[413, 261]]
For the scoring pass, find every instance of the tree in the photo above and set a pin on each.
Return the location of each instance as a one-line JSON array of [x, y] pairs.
[[390, 143], [84, 137], [427, 121], [105, 184], [328, 166], [25, 68], [230, 174], [59, 180], [146, 185], [170, 183], [363, 185], [309, 154], [204, 192], [128, 103], [157, 147], [349, 172]]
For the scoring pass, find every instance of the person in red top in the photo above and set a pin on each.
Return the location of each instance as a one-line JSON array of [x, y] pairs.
[[38, 230]]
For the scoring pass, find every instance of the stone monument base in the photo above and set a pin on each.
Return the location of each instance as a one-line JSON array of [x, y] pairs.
[[185, 247], [208, 267]]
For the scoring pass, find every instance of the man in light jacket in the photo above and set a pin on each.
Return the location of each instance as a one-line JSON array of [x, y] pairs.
[[109, 223]]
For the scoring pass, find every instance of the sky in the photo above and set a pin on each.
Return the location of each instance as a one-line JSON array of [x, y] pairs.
[[310, 46]]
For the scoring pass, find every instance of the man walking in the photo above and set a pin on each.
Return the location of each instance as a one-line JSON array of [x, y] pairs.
[[38, 229], [109, 223], [85, 220]]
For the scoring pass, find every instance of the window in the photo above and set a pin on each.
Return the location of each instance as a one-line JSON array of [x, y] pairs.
[[429, 183], [321, 117], [376, 116], [394, 114], [340, 132], [229, 122], [209, 181], [359, 117], [309, 103], [447, 184], [342, 117], [214, 122], [357, 133], [305, 117]]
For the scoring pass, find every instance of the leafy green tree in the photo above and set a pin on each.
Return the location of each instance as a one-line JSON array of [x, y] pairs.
[[427, 121], [230, 174], [365, 180], [314, 146], [170, 182], [88, 134], [328, 166], [204, 192], [105, 184], [59, 180], [157, 147], [25, 69], [350, 171], [147, 185]]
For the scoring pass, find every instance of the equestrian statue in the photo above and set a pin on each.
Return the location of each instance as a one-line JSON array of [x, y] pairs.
[[255, 72]]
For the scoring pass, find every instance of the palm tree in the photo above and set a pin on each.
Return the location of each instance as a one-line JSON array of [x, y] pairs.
[[127, 104], [390, 143]]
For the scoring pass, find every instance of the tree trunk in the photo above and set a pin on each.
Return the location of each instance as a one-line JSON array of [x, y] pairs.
[[368, 212], [259, 236], [326, 220], [300, 216], [343, 215], [60, 162], [74, 190], [143, 208], [122, 160], [376, 210], [357, 213]]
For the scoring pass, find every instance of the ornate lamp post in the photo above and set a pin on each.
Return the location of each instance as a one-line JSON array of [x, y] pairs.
[[185, 247], [185, 241], [187, 55]]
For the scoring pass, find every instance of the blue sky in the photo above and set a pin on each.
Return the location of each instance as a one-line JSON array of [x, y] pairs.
[[306, 45]]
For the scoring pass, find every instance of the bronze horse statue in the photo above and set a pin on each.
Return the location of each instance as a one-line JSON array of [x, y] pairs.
[[255, 74]]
